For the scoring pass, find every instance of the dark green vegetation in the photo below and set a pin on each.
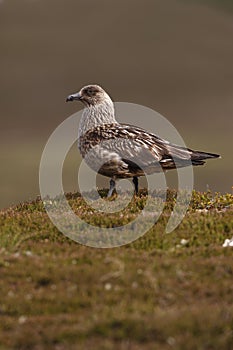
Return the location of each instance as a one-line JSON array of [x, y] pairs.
[[163, 291]]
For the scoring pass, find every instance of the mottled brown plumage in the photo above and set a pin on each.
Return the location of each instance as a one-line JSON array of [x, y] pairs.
[[121, 150]]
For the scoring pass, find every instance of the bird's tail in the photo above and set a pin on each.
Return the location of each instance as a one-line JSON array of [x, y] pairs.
[[198, 158]]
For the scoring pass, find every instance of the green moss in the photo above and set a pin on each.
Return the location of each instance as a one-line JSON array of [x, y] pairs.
[[153, 293]]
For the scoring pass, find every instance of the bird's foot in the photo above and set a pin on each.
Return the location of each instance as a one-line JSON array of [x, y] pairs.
[[112, 188]]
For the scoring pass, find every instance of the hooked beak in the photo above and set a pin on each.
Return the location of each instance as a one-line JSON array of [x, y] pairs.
[[76, 96]]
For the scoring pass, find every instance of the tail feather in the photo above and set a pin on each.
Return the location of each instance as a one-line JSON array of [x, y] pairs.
[[199, 156], [177, 157]]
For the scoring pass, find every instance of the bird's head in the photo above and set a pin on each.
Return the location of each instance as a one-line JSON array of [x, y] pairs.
[[90, 95]]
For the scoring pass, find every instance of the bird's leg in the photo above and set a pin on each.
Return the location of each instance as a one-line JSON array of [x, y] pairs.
[[135, 182], [112, 187]]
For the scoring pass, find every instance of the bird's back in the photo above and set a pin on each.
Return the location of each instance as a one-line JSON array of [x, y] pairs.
[[130, 151]]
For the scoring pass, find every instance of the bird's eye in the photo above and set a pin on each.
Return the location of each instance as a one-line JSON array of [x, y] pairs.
[[91, 91]]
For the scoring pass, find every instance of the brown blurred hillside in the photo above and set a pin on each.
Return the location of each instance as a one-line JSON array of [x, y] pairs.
[[173, 56]]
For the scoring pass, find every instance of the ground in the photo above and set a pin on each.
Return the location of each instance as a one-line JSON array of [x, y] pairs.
[[163, 291]]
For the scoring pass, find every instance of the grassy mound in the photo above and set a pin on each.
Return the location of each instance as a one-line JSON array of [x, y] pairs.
[[161, 291]]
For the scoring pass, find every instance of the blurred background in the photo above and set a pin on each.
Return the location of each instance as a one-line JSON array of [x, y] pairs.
[[174, 56]]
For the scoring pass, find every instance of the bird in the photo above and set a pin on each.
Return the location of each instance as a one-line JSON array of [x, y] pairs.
[[121, 151]]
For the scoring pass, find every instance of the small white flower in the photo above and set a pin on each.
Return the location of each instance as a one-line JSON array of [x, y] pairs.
[[108, 286], [184, 241], [228, 243], [22, 319], [28, 253]]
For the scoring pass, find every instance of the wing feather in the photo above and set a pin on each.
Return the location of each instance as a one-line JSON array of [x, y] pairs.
[[128, 150]]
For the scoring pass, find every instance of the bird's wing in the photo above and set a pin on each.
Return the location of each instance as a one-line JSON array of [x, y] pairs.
[[171, 155], [129, 144], [132, 148]]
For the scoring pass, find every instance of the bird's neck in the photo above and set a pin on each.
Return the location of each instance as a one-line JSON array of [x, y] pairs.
[[99, 114]]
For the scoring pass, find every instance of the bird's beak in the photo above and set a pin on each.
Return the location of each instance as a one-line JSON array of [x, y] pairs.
[[76, 96]]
